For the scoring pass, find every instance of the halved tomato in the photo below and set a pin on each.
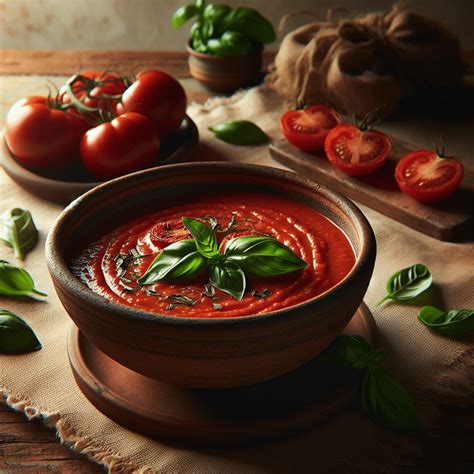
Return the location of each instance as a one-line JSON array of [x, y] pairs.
[[427, 176], [307, 129], [355, 151]]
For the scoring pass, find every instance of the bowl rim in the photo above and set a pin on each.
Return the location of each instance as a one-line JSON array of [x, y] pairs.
[[58, 267]]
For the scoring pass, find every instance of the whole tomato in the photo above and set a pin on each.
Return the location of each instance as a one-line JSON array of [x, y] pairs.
[[126, 144], [96, 88], [158, 96], [42, 135]]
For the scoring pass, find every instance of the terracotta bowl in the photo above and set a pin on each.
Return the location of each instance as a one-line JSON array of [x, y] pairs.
[[227, 74], [63, 188], [214, 353]]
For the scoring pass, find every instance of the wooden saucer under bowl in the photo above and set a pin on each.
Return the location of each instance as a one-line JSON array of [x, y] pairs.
[[280, 407], [175, 148]]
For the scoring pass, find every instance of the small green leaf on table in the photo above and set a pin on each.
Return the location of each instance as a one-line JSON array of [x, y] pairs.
[[240, 132], [19, 231], [15, 281], [456, 322], [383, 399], [16, 336], [408, 283]]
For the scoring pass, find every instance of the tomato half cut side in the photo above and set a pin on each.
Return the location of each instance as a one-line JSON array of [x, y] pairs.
[[428, 177], [357, 152], [307, 129]]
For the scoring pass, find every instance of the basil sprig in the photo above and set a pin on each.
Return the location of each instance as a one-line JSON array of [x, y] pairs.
[[456, 322], [408, 283], [16, 336], [383, 398], [239, 132], [15, 281], [256, 255], [19, 231]]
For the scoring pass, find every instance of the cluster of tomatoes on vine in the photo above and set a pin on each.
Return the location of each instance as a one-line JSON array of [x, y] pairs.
[[107, 123], [358, 150]]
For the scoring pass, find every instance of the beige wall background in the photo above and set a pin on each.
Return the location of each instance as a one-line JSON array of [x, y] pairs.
[[145, 24]]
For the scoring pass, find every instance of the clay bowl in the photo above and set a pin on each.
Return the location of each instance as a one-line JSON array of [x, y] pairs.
[[64, 187], [225, 74], [213, 353]]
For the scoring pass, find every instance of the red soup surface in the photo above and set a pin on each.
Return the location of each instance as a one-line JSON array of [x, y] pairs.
[[111, 265]]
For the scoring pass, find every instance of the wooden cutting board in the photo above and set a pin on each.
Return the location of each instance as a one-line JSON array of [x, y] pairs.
[[451, 220]]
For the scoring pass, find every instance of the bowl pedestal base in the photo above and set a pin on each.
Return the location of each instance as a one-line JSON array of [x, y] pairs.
[[280, 407]]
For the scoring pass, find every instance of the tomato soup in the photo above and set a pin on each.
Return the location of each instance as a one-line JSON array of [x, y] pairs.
[[111, 265]]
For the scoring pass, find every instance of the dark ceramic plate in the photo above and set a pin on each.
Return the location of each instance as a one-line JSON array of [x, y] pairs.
[[175, 148]]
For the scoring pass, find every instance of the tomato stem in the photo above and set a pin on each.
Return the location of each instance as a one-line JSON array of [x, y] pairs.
[[369, 121], [77, 103]]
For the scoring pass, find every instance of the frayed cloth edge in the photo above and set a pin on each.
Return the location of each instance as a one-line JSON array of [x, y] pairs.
[[68, 436]]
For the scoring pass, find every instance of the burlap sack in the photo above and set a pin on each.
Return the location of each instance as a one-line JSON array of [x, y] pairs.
[[366, 63]]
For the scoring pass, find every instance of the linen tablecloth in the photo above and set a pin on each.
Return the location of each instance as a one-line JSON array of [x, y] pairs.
[[435, 369]]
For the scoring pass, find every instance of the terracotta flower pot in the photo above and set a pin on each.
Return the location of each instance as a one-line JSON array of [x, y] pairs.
[[225, 74], [218, 352]]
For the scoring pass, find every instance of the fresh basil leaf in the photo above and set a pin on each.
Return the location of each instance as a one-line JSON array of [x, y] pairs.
[[215, 13], [19, 231], [263, 256], [183, 14], [232, 43], [387, 402], [206, 242], [178, 261], [249, 22], [15, 281], [456, 322], [239, 132], [16, 337], [408, 283], [228, 277], [354, 351]]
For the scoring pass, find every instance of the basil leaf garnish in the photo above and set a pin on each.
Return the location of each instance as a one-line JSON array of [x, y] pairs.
[[16, 337], [206, 242], [15, 281], [257, 255], [183, 14], [387, 402], [408, 283], [384, 400], [178, 261], [263, 256], [456, 322], [239, 132], [228, 277], [19, 231]]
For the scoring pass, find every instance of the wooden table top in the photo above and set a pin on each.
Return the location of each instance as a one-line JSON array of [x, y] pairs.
[[28, 446]]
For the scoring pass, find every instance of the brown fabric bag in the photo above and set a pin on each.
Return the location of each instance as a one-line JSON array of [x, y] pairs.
[[366, 63]]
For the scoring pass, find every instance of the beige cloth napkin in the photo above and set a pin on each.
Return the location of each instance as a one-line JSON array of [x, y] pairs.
[[42, 385]]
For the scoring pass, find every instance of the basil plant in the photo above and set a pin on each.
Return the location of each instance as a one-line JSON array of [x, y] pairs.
[[222, 30]]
